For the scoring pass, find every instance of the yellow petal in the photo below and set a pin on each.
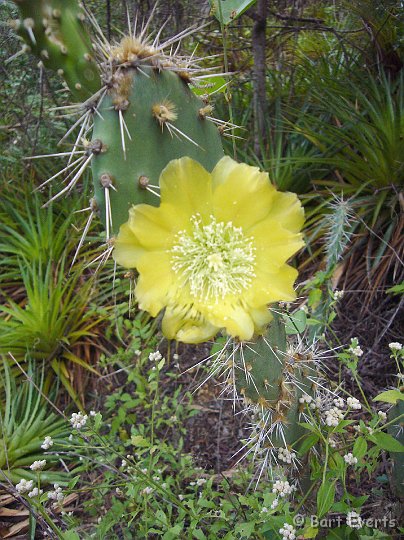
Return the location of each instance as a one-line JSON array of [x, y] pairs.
[[261, 317], [155, 284], [154, 227], [274, 245], [272, 287], [288, 211], [187, 186], [127, 248], [241, 194], [231, 316], [185, 324]]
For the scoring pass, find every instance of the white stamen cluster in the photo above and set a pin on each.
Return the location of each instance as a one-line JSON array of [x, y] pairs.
[[354, 520], [47, 443], [354, 403], [305, 399], [288, 532], [24, 485], [38, 465], [215, 260], [78, 420], [350, 459], [286, 456], [395, 346], [333, 416], [282, 488]]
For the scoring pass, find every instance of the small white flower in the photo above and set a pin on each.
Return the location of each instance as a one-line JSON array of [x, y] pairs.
[[24, 485], [285, 455], [333, 417], [337, 294], [288, 532], [339, 402], [395, 346], [57, 494], [147, 490], [274, 504], [354, 520], [333, 442], [305, 399], [70, 437], [155, 356], [350, 459], [355, 348], [144, 471], [201, 481], [176, 356], [370, 430], [264, 510], [382, 415], [181, 497], [93, 413], [47, 443], [282, 488], [156, 478], [354, 403], [138, 352], [35, 492], [78, 420], [38, 465]]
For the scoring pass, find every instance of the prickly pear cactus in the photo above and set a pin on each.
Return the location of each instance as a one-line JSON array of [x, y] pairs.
[[54, 31], [276, 383], [148, 117]]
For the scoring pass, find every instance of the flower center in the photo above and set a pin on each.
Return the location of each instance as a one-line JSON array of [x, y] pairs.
[[215, 259]]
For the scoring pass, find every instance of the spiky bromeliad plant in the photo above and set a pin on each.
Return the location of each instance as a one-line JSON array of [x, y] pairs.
[[213, 255]]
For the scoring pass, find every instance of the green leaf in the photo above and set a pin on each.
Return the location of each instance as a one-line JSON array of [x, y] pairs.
[[227, 11], [325, 498], [246, 529], [397, 289], [360, 447], [386, 442], [210, 85], [310, 532], [308, 443], [70, 535], [295, 323], [390, 396]]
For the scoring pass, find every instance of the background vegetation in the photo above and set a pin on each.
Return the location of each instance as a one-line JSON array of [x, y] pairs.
[[317, 89]]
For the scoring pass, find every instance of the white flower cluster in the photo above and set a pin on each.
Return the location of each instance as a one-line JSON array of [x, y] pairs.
[[282, 488], [155, 356], [199, 482], [35, 492], [57, 494], [305, 399], [47, 443], [287, 532], [333, 416], [286, 456], [395, 346], [354, 520], [38, 465], [354, 348], [337, 294], [382, 415], [350, 459], [147, 490], [24, 485], [274, 504], [354, 403], [339, 402], [78, 420]]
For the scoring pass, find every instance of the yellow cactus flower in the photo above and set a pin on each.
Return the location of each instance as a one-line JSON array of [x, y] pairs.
[[214, 253]]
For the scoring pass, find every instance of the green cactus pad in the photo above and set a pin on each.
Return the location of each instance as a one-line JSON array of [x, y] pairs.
[[54, 31], [152, 144]]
